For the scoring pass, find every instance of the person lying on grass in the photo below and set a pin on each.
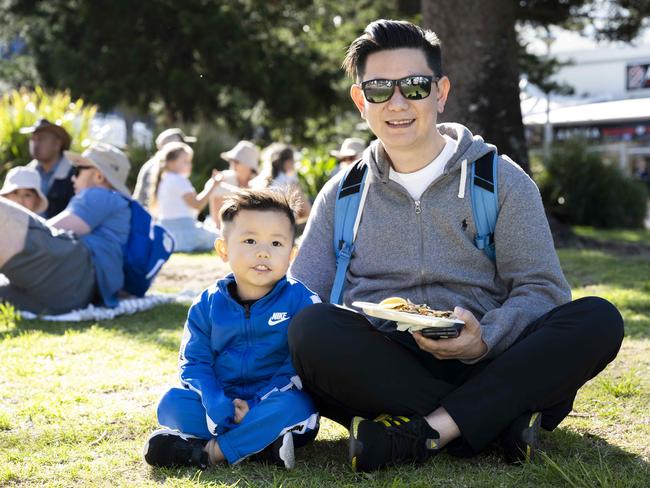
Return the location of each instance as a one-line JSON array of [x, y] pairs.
[[240, 395], [75, 257]]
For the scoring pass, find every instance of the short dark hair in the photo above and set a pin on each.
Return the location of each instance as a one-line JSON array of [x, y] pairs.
[[269, 199], [382, 35]]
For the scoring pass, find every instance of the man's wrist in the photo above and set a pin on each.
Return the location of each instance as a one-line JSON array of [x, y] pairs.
[[482, 350]]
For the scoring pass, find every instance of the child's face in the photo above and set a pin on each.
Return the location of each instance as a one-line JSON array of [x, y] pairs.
[[258, 245], [26, 197], [288, 166], [244, 173], [181, 165]]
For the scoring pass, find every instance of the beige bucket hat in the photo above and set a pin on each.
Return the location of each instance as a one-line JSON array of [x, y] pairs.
[[112, 163], [246, 153], [173, 135], [351, 147], [27, 178]]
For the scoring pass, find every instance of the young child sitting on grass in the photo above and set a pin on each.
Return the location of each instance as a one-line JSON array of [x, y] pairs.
[[23, 186], [241, 394]]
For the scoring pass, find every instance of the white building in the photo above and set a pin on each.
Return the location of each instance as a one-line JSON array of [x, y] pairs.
[[611, 105]]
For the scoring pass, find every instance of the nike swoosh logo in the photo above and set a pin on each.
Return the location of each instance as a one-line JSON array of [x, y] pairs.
[[276, 322]]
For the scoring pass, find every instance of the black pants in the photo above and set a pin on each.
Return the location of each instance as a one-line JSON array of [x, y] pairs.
[[351, 369]]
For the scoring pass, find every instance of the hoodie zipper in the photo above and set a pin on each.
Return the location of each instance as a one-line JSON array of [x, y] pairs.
[[418, 213], [248, 333]]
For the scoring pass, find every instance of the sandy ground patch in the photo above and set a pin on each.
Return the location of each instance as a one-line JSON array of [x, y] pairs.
[[190, 272]]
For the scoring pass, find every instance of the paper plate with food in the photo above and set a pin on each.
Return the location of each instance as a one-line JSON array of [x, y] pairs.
[[436, 324]]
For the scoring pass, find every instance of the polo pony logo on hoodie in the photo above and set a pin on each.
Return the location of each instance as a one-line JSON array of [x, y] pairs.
[[278, 317]]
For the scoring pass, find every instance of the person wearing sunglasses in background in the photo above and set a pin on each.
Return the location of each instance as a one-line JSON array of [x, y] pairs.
[[525, 348], [75, 257]]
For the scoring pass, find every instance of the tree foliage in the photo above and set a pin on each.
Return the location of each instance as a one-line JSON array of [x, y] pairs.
[[252, 62], [22, 108], [603, 19], [578, 188]]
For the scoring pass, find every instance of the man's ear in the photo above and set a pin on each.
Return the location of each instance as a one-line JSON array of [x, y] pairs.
[[100, 180], [357, 97], [222, 249], [444, 87]]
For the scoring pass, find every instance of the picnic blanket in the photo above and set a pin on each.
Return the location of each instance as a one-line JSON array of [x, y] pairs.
[[127, 306]]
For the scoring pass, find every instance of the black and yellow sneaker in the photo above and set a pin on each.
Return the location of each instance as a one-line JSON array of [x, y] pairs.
[[279, 453], [521, 438], [167, 447], [389, 440]]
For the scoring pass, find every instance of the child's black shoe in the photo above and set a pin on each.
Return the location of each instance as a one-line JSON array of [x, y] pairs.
[[166, 447]]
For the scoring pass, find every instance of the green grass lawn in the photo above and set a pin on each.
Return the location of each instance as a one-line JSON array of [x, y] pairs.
[[77, 402]]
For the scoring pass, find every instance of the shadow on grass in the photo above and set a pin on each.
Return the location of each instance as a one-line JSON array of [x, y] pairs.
[[156, 326], [586, 460], [566, 459]]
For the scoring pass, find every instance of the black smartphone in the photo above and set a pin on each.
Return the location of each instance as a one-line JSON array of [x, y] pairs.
[[442, 332]]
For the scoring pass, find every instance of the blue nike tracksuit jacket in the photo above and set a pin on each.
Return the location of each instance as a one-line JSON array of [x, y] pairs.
[[231, 351]]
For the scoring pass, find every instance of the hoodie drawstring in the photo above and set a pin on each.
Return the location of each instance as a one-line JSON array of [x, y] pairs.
[[463, 178]]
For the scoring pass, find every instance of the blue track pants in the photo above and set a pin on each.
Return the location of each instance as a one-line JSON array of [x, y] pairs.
[[279, 413]]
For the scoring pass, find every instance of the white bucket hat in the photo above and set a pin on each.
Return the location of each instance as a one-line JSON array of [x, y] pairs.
[[246, 153], [112, 163], [351, 147], [173, 135], [27, 178]]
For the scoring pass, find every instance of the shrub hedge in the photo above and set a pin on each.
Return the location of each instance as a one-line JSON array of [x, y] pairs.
[[580, 189]]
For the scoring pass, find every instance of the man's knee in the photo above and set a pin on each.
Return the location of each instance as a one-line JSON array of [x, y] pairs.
[[14, 222], [307, 326], [603, 322]]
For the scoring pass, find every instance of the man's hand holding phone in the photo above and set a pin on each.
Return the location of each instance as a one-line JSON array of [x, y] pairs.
[[468, 345]]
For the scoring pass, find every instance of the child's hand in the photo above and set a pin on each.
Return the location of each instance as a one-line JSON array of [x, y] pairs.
[[214, 181], [217, 176], [241, 409], [209, 185]]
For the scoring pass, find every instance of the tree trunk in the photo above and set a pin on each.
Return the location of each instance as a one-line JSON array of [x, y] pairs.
[[479, 47]]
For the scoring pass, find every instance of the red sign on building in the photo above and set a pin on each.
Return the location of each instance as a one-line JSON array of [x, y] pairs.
[[638, 76]]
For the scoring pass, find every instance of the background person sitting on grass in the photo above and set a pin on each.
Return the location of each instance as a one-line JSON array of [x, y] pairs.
[[47, 145], [74, 258], [149, 170], [241, 394], [175, 201], [23, 186], [243, 167]]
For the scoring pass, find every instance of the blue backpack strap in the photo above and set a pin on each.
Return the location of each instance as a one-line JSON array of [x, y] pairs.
[[485, 202], [347, 214]]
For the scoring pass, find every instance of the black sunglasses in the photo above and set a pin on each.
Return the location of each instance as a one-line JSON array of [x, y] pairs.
[[78, 169], [414, 87]]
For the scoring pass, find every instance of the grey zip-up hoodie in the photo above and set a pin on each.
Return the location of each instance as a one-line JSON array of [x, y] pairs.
[[425, 251]]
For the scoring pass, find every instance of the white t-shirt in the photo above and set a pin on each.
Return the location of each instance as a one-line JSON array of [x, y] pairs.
[[415, 183], [170, 197], [284, 180]]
